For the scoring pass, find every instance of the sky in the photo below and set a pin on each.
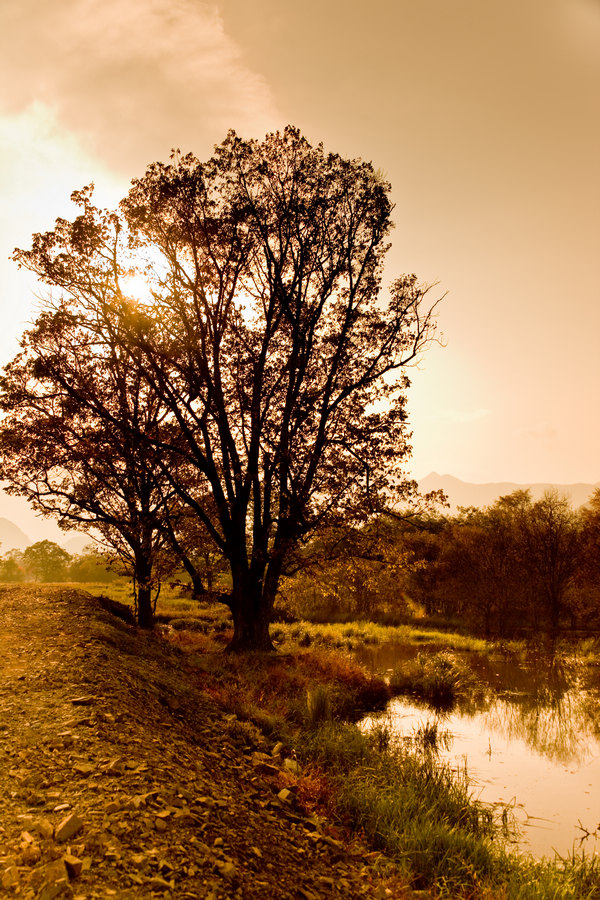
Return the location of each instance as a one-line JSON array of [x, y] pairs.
[[483, 114]]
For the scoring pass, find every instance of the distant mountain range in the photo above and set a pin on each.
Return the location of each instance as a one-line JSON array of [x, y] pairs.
[[465, 493], [20, 527], [459, 493]]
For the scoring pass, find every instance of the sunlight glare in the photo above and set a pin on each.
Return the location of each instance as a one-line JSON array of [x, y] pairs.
[[136, 287]]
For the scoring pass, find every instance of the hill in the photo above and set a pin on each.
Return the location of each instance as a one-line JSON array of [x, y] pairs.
[[465, 493], [12, 537]]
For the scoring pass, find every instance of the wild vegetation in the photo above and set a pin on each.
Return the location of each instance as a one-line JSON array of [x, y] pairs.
[[45, 561], [421, 815]]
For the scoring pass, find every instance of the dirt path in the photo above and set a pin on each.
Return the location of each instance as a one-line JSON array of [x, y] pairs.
[[120, 778]]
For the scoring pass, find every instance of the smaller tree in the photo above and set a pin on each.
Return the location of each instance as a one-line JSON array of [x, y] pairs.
[[91, 567], [11, 567], [552, 541], [73, 440], [45, 561]]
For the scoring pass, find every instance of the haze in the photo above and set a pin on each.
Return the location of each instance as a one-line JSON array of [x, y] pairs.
[[484, 116]]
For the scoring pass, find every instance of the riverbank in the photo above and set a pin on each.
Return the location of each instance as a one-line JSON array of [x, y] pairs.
[[408, 805], [261, 759], [121, 776]]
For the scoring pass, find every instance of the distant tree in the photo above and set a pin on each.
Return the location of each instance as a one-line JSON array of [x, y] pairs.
[[483, 578], [91, 567], [552, 542], [46, 561], [511, 564], [11, 567], [265, 337], [585, 602]]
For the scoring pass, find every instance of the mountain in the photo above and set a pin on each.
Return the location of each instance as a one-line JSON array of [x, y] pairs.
[[11, 537], [77, 543], [465, 493]]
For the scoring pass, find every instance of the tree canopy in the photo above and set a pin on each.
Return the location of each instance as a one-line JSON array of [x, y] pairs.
[[262, 335]]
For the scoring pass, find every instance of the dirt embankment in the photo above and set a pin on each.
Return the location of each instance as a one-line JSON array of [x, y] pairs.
[[120, 777]]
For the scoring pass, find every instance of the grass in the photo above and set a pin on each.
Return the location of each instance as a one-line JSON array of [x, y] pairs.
[[438, 679], [397, 795], [350, 635]]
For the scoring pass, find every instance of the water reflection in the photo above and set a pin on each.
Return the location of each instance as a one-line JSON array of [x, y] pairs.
[[529, 733]]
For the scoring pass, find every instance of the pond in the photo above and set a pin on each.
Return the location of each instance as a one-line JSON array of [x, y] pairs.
[[528, 735]]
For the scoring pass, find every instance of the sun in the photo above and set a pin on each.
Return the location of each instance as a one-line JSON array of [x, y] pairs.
[[135, 286]]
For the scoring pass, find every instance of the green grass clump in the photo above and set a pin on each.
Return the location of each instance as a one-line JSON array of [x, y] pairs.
[[438, 679]]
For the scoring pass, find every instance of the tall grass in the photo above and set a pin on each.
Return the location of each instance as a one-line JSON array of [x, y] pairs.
[[422, 815], [355, 634], [398, 796]]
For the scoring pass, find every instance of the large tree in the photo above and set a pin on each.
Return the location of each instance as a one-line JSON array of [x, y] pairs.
[[264, 334]]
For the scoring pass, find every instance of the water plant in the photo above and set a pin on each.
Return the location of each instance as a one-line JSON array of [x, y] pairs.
[[438, 679]]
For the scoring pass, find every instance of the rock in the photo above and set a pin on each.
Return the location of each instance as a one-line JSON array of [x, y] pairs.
[[115, 767], [54, 880], [73, 864], [69, 826], [226, 870], [258, 758], [84, 769], [30, 854], [158, 884], [277, 749], [263, 763], [285, 796], [10, 878], [291, 766], [44, 828]]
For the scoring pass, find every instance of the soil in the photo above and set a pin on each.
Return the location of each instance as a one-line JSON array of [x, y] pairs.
[[120, 777]]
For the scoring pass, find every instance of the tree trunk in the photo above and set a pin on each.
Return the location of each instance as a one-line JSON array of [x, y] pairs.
[[145, 610], [251, 607], [143, 577]]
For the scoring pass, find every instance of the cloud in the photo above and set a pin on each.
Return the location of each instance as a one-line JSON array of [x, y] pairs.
[[133, 78]]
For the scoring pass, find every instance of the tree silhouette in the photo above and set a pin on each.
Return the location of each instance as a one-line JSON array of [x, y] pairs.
[[74, 441], [263, 335]]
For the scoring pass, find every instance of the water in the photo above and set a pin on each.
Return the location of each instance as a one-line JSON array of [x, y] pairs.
[[529, 737]]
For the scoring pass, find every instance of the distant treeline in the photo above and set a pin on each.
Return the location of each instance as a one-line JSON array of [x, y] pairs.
[[46, 561], [515, 566]]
